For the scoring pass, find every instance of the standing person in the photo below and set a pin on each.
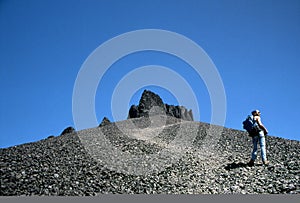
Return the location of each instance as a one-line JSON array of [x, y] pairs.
[[259, 137]]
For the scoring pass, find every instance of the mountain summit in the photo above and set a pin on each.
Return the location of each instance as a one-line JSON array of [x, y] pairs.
[[151, 104]]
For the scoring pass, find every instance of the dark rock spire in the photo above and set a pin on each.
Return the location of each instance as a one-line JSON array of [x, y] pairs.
[[151, 104]]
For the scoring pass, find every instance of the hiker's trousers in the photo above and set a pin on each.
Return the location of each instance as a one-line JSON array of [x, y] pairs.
[[260, 138]]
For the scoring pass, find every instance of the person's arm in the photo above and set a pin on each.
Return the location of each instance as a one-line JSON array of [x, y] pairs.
[[261, 125]]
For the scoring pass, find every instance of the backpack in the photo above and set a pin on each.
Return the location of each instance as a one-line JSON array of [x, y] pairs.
[[251, 126]]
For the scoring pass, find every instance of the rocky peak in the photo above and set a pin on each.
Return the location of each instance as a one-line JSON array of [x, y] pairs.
[[68, 130], [151, 104], [105, 121]]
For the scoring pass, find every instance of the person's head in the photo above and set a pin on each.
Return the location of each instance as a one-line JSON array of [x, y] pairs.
[[256, 113]]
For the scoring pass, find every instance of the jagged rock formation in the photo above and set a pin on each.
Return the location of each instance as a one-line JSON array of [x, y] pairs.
[[151, 104], [105, 121], [68, 130], [71, 164]]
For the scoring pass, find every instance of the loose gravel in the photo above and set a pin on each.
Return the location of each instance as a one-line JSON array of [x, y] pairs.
[[214, 162]]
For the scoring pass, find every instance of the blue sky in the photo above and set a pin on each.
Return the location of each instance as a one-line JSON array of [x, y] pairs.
[[254, 45]]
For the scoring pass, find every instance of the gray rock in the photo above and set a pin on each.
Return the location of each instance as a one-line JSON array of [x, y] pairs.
[[151, 104], [68, 130], [105, 121], [179, 112], [62, 165]]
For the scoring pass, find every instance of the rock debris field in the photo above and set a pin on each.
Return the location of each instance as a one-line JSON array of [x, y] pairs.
[[158, 155]]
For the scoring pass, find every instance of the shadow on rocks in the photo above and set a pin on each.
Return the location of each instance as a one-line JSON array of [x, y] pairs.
[[235, 165]]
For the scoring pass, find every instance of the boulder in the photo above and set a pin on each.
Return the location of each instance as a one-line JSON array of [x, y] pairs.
[[105, 121], [68, 130]]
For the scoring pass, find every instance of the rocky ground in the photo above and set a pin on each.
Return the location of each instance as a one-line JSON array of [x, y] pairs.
[[202, 159]]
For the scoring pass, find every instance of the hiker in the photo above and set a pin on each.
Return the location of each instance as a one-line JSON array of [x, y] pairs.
[[259, 137]]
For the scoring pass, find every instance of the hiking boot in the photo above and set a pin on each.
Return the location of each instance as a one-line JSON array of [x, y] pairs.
[[266, 162], [251, 163]]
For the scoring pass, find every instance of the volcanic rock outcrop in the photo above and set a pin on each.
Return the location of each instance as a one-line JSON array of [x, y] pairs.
[[105, 121], [151, 104], [68, 130]]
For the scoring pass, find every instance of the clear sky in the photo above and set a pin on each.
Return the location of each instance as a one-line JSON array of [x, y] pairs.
[[254, 45]]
